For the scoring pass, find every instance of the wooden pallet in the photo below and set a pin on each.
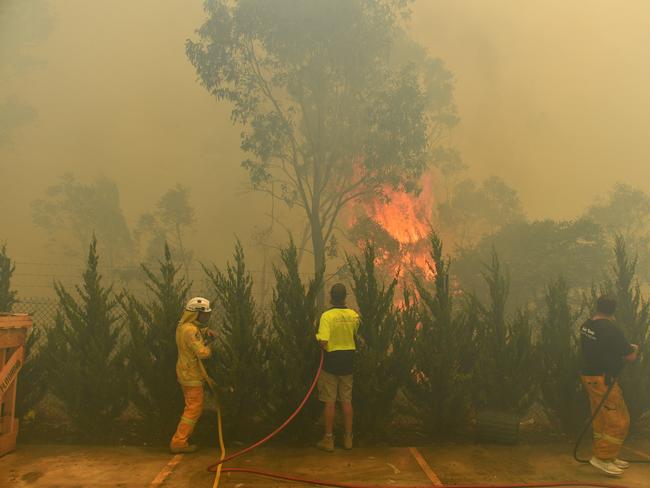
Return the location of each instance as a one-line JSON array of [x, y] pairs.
[[13, 333]]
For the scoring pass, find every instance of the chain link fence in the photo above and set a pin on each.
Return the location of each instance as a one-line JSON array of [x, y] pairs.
[[43, 310]]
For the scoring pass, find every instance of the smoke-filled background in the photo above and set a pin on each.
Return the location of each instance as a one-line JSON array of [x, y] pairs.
[[474, 172], [552, 98]]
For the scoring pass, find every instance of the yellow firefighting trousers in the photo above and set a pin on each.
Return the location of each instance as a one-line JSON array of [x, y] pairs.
[[612, 423], [191, 414]]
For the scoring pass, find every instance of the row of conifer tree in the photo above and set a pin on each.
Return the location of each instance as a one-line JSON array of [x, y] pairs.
[[429, 356]]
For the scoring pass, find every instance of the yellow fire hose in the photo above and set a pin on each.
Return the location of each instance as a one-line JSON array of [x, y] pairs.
[[222, 447], [212, 386]]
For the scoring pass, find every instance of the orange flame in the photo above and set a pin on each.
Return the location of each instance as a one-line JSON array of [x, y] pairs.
[[405, 218]]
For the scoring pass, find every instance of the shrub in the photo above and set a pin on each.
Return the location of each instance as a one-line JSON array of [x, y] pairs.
[[32, 382], [560, 361], [384, 342], [152, 347], [7, 268], [633, 316], [443, 357], [239, 360], [507, 368], [85, 359], [293, 350]]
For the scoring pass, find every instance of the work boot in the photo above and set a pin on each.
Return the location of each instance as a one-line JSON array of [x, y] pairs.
[[347, 441], [326, 443], [621, 464], [606, 466], [183, 449]]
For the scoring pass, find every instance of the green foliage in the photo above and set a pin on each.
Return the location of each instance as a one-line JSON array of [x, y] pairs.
[[432, 355], [560, 360], [7, 268], [239, 360], [472, 211], [335, 101], [86, 367], [151, 351], [507, 367], [633, 316], [443, 356], [13, 115], [536, 253], [383, 347], [32, 372], [28, 25], [293, 350], [33, 375], [626, 212], [73, 212], [172, 217]]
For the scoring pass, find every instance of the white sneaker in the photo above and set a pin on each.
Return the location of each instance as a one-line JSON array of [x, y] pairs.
[[606, 466], [621, 464]]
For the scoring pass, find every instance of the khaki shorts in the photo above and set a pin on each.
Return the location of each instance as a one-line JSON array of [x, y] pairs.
[[332, 388]]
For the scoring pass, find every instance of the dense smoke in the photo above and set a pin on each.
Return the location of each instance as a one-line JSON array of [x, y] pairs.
[[551, 98]]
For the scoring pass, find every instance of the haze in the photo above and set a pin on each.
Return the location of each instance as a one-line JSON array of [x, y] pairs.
[[552, 95]]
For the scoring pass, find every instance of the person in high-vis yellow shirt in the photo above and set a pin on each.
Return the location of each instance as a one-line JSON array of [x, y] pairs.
[[189, 369], [336, 332]]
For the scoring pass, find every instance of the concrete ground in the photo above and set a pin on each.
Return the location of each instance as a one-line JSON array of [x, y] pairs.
[[125, 467]]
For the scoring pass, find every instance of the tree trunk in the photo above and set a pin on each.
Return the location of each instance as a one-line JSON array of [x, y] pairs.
[[318, 245], [181, 249]]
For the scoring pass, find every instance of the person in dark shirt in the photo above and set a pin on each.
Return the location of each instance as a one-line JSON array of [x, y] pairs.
[[604, 351]]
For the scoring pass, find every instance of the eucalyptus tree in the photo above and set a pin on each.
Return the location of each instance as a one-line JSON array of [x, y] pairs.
[[335, 101]]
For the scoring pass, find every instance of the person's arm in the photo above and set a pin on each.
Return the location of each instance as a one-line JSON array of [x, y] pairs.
[[209, 336], [630, 358], [323, 335], [195, 341], [624, 349]]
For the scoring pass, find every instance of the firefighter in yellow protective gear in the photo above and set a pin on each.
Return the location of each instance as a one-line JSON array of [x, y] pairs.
[[604, 351], [189, 369]]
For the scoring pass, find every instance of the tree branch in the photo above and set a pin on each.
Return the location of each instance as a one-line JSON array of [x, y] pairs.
[[306, 234], [266, 90], [270, 192]]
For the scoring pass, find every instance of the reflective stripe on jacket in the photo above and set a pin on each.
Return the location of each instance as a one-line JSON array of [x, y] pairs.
[[191, 350]]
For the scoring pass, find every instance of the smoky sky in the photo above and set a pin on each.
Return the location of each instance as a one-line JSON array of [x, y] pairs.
[[553, 97]]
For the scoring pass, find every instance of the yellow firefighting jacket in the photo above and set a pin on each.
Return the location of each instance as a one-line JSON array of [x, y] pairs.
[[191, 350]]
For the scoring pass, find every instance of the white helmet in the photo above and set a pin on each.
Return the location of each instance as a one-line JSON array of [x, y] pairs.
[[198, 304]]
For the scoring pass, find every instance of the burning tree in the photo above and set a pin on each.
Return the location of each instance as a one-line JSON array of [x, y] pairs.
[[398, 227], [335, 101]]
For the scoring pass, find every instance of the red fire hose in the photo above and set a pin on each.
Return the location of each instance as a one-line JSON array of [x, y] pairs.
[[213, 467], [296, 479]]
